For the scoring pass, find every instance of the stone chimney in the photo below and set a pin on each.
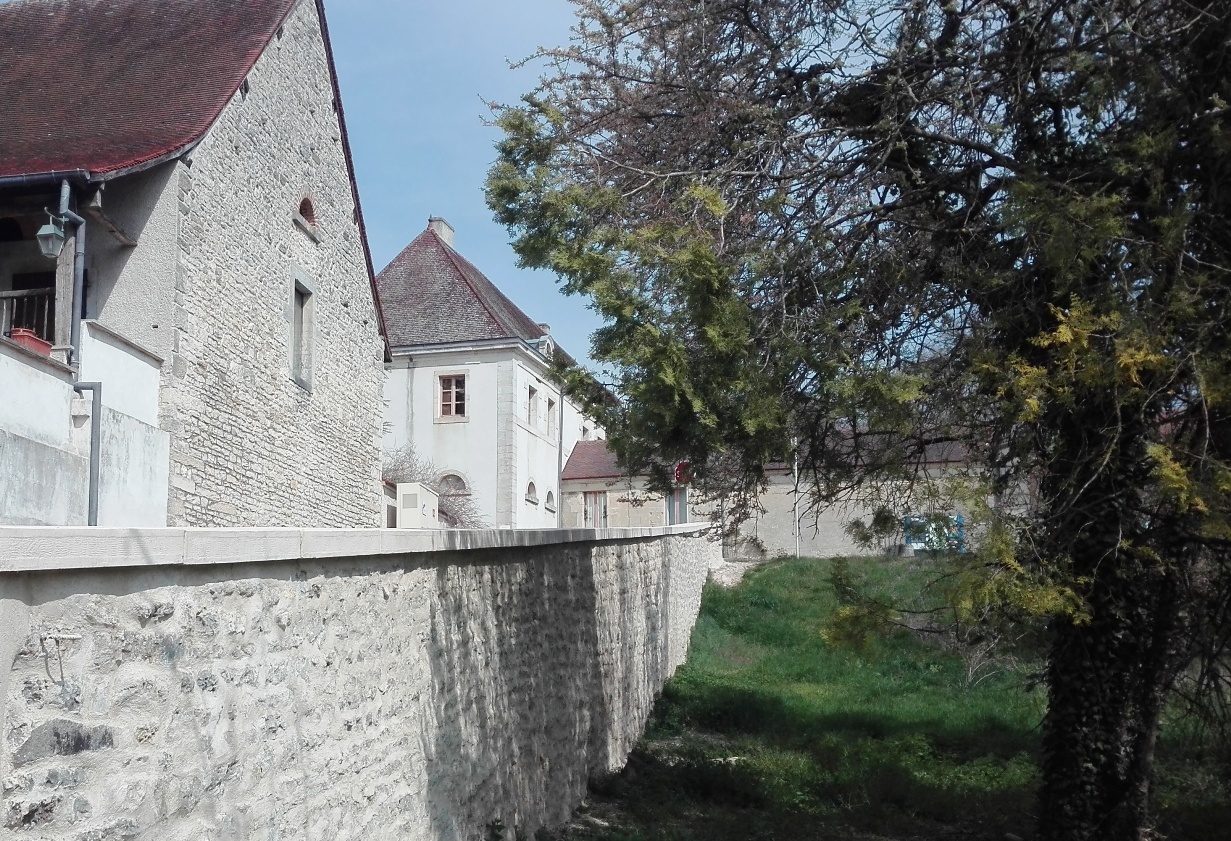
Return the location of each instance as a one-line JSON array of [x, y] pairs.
[[442, 228]]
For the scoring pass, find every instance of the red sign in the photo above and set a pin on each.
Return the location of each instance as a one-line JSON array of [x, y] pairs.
[[683, 473]]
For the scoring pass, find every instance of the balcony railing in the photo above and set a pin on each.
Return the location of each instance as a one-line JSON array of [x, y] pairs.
[[31, 308]]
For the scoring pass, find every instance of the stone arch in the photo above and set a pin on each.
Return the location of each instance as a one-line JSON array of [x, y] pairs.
[[451, 484]]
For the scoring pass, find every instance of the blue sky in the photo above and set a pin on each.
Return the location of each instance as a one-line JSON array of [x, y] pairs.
[[414, 79]]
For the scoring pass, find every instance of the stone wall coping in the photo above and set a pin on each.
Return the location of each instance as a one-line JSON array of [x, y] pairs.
[[106, 334], [53, 548], [36, 360]]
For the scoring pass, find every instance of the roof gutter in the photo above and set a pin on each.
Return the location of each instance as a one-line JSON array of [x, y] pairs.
[[41, 179]]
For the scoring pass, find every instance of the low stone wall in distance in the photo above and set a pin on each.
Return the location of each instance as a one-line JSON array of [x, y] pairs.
[[298, 684]]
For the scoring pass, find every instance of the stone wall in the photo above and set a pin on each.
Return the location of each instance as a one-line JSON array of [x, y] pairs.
[[297, 451], [378, 693]]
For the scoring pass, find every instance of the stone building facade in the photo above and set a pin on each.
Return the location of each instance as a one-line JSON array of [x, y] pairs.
[[297, 449]]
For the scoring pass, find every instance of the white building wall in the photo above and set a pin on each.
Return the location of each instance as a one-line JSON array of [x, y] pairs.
[[251, 445], [537, 440], [130, 374], [464, 447], [501, 447], [45, 453], [131, 287]]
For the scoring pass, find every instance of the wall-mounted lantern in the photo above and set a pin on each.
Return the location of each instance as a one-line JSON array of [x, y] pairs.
[[51, 237]]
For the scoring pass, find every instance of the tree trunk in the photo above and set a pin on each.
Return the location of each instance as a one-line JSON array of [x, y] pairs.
[[1107, 680]]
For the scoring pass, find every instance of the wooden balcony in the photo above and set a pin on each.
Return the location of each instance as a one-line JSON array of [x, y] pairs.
[[34, 309]]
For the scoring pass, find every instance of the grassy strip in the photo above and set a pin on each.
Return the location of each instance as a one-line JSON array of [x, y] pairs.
[[769, 732]]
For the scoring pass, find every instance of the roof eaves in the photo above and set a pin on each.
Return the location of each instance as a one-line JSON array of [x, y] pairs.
[[150, 161], [350, 171]]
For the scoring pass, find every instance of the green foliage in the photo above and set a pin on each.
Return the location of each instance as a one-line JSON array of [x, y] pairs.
[[852, 233], [770, 731]]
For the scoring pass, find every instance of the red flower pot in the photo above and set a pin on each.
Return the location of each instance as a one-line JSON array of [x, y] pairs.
[[28, 339]]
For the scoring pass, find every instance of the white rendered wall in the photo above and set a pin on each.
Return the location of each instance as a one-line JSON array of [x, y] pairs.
[[465, 447], [130, 375], [131, 287], [498, 449], [34, 398], [45, 453], [537, 449]]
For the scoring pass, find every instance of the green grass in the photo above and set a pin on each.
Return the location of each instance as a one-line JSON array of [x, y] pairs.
[[769, 732]]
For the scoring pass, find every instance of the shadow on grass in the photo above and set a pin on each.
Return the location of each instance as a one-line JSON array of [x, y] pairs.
[[765, 714], [735, 763]]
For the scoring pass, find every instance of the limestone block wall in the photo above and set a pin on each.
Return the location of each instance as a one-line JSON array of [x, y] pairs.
[[355, 685], [252, 443]]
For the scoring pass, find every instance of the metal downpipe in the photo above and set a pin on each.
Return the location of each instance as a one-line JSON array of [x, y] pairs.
[[78, 274]]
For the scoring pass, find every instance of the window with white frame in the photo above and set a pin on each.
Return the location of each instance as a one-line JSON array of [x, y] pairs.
[[453, 396], [594, 509], [677, 506]]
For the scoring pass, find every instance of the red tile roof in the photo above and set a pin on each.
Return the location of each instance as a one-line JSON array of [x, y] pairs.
[[430, 295], [109, 85], [113, 86], [592, 460]]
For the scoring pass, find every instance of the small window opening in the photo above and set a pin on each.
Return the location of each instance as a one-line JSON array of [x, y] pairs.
[[532, 495], [244, 87], [551, 416], [532, 406], [301, 334], [307, 212], [453, 396], [550, 502]]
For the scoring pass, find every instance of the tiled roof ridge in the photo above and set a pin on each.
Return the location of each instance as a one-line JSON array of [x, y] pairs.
[[458, 260], [462, 263]]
